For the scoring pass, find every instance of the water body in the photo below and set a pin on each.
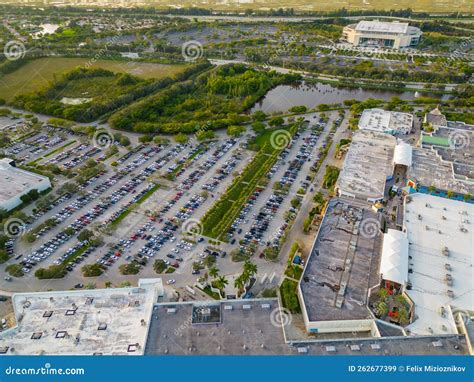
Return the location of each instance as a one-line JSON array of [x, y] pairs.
[[283, 97]]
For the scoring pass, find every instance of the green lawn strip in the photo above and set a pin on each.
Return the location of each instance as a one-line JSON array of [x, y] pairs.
[[220, 217], [294, 271], [75, 255], [186, 162], [126, 212], [289, 297], [207, 290], [59, 149]]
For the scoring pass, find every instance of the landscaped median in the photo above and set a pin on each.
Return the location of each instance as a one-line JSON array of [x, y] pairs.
[[220, 217], [133, 206]]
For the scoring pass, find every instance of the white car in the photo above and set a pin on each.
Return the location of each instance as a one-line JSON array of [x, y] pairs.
[[170, 282]]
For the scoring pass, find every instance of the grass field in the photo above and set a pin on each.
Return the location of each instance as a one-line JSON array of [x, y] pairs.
[[37, 74], [330, 5]]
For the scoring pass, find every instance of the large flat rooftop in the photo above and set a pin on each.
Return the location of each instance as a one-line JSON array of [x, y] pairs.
[[14, 181], [383, 121], [86, 322], [172, 332], [368, 163], [430, 169], [343, 264], [243, 327], [382, 26], [441, 273]]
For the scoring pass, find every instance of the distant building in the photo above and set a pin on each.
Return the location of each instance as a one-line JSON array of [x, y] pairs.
[[381, 34], [15, 182]]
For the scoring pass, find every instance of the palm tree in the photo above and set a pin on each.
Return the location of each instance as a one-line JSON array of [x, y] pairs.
[[108, 284], [450, 194], [467, 197], [250, 268], [431, 189], [239, 283], [220, 284], [213, 272]]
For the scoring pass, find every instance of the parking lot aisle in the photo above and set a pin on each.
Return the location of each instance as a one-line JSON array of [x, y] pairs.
[[296, 232]]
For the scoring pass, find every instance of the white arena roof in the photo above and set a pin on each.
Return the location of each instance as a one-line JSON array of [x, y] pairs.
[[382, 26], [441, 250], [394, 261]]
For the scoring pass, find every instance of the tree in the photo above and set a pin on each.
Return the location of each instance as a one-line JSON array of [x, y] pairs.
[[221, 282], [90, 286], [235, 130], [213, 272], [181, 138], [92, 270], [431, 189], [239, 283], [467, 197], [202, 135], [161, 140], [276, 122], [85, 235], [108, 284], [250, 268], [129, 269], [259, 116], [450, 194], [258, 127], [14, 270], [145, 138], [159, 266], [124, 141]]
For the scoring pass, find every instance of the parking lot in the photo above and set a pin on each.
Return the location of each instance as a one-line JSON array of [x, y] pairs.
[[178, 184]]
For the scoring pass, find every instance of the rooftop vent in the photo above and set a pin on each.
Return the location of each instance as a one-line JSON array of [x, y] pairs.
[[36, 335], [48, 313]]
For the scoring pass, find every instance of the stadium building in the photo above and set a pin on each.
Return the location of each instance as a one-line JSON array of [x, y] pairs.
[[381, 34]]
